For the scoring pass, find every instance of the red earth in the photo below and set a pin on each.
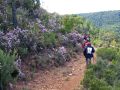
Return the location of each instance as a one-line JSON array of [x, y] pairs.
[[67, 77]]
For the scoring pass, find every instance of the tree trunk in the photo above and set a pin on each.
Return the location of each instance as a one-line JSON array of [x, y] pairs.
[[14, 17]]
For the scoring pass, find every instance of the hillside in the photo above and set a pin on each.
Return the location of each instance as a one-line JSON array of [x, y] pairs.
[[107, 19], [44, 51], [31, 40]]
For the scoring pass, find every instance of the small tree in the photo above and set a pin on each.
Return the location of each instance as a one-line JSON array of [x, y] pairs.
[[7, 67]]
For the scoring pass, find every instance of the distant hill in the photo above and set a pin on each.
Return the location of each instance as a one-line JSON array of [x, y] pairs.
[[107, 19]]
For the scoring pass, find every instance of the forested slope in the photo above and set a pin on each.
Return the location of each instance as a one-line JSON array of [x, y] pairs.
[[108, 23], [107, 19]]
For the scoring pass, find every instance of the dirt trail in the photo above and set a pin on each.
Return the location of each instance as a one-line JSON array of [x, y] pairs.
[[61, 78]]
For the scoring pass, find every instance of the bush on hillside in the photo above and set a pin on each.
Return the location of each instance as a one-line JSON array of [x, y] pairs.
[[103, 75], [7, 68], [97, 42], [49, 38], [118, 55], [107, 53], [99, 84], [22, 51]]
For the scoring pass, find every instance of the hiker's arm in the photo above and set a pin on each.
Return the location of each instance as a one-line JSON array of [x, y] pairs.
[[84, 51], [93, 50], [93, 58], [93, 55]]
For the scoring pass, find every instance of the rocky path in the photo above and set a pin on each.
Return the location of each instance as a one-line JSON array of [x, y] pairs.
[[61, 78]]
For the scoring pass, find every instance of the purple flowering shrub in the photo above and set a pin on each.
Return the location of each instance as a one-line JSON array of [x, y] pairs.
[[16, 39], [72, 41], [44, 36], [76, 40], [75, 37], [69, 39]]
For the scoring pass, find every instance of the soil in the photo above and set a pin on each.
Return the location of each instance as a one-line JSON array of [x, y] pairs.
[[66, 77]]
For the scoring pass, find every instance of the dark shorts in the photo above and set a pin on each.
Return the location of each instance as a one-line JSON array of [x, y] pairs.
[[88, 60]]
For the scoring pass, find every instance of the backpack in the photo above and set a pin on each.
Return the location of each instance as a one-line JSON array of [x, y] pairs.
[[89, 50]]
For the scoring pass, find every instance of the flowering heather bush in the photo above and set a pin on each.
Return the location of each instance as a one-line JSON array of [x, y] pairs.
[[41, 26], [24, 40], [18, 65], [15, 39], [54, 22], [12, 39], [64, 40], [62, 50], [61, 56], [75, 36], [43, 35]]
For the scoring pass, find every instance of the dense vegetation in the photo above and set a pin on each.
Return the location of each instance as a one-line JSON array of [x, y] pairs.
[[48, 39], [28, 31], [104, 19], [104, 75], [108, 23]]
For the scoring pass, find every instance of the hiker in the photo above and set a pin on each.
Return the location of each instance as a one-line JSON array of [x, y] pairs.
[[86, 37], [85, 42], [88, 53]]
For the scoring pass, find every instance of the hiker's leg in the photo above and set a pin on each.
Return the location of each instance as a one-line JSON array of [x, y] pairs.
[[87, 61]]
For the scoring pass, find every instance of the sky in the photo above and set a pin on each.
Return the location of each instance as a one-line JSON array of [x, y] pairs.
[[79, 6]]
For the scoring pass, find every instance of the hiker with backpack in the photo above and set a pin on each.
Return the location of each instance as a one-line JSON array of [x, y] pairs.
[[84, 44], [86, 39], [88, 53]]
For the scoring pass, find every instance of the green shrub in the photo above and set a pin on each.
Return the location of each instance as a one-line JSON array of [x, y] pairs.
[[7, 67], [99, 68], [116, 85], [99, 84], [118, 56], [109, 76], [42, 61], [104, 75], [22, 51], [92, 82], [107, 53], [97, 42], [49, 38], [89, 75]]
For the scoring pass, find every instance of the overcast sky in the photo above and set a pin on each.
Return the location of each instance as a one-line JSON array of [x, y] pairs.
[[79, 6]]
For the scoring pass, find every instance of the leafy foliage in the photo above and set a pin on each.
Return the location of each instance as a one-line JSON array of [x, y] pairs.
[[49, 38], [107, 53], [75, 22], [30, 30], [104, 19], [7, 67], [104, 74], [108, 23]]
